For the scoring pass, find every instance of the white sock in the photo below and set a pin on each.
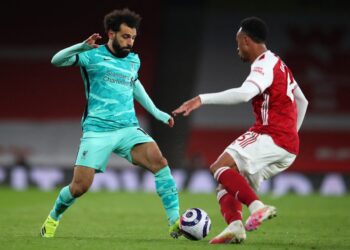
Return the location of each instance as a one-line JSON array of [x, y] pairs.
[[234, 223], [255, 205]]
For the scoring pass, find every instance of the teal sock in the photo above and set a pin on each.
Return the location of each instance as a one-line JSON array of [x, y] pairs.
[[167, 191], [63, 201]]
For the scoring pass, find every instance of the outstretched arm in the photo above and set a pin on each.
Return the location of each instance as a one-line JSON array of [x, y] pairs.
[[143, 98], [66, 57], [228, 97], [302, 104]]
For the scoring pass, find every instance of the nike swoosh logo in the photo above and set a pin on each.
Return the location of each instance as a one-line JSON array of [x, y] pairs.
[[107, 59]]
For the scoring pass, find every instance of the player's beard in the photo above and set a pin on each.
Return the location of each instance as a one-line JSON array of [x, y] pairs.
[[243, 59], [121, 51], [242, 56]]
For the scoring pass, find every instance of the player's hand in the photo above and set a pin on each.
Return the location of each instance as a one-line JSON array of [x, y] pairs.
[[171, 122], [187, 107], [91, 41]]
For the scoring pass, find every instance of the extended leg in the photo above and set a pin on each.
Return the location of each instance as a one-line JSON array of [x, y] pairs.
[[82, 180], [149, 156], [231, 210], [226, 173]]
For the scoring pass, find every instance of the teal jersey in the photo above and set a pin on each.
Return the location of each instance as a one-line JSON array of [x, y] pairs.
[[109, 85]]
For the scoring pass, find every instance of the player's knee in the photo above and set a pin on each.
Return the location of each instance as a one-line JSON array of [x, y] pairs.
[[158, 160], [78, 189], [159, 163], [163, 162], [213, 167]]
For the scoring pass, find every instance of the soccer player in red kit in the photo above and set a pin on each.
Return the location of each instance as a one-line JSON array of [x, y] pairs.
[[268, 147]]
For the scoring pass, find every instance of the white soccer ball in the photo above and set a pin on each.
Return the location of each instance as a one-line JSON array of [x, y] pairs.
[[195, 224]]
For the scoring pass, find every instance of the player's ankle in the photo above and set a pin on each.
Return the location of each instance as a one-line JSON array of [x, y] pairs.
[[255, 205]]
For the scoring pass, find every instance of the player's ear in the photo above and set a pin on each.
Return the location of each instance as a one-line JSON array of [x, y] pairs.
[[111, 34], [246, 40]]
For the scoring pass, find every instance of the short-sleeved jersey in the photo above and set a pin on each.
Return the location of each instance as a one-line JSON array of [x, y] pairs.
[[275, 108], [109, 82]]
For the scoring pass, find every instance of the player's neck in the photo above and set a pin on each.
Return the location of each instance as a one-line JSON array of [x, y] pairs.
[[258, 51], [110, 48]]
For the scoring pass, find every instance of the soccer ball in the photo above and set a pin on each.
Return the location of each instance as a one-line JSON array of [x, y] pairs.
[[195, 224]]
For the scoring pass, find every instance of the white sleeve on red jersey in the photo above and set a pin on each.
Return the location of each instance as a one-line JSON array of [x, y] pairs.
[[231, 96], [301, 103], [261, 72]]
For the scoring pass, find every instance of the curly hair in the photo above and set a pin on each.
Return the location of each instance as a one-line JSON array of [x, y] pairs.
[[114, 19]]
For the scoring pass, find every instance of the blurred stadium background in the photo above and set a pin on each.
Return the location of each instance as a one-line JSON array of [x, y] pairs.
[[186, 48]]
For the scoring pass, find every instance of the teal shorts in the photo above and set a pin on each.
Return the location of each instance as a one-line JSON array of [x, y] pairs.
[[96, 147]]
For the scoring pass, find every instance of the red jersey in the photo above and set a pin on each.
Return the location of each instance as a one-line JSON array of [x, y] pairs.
[[275, 108]]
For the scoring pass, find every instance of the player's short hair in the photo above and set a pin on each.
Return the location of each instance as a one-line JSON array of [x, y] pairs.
[[255, 28], [114, 19]]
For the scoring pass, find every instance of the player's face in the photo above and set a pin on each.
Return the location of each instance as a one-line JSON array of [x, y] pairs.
[[123, 40], [242, 46]]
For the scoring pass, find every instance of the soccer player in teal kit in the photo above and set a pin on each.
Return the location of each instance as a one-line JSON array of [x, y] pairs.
[[109, 123]]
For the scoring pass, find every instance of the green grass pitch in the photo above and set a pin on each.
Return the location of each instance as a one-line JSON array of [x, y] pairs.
[[106, 220]]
